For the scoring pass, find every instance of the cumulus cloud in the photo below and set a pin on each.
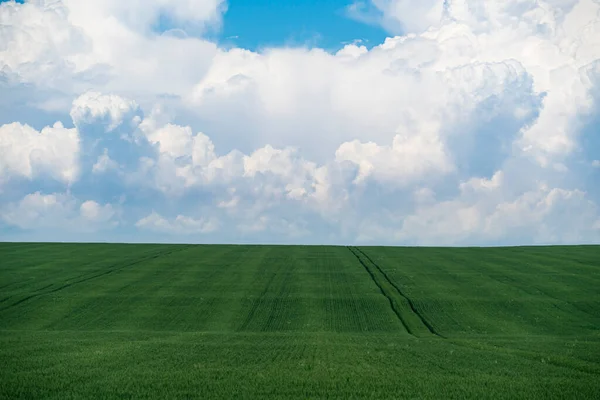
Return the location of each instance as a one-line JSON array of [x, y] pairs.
[[485, 213], [38, 211], [469, 124], [68, 45], [184, 159], [410, 158], [110, 111], [28, 153]]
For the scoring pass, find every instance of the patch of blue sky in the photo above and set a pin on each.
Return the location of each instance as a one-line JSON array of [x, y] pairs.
[[259, 24]]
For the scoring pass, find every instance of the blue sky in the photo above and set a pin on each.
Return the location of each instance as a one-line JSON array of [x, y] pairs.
[[266, 23], [139, 121]]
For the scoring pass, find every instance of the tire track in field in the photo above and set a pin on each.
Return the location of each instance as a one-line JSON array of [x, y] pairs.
[[279, 304], [49, 261], [410, 303], [24, 282], [66, 285], [256, 303], [35, 292], [383, 292]]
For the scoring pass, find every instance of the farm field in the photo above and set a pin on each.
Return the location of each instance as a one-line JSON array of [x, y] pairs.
[[220, 321]]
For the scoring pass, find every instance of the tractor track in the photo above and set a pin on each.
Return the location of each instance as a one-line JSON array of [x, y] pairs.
[[383, 292], [356, 251], [39, 293]]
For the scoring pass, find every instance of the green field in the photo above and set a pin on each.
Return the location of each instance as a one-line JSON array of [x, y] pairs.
[[181, 321]]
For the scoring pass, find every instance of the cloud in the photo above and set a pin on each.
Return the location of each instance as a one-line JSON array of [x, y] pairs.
[[27, 153], [473, 124], [409, 159], [141, 16], [485, 213], [183, 159], [180, 225], [37, 211], [413, 17], [68, 45], [104, 163], [94, 212], [110, 111], [400, 16]]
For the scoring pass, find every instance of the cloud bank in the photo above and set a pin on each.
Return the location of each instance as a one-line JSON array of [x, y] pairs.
[[471, 124]]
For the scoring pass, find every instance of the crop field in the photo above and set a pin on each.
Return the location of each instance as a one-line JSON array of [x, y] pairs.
[[220, 321]]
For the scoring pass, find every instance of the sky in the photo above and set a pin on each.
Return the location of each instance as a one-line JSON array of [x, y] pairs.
[[378, 122], [327, 24]]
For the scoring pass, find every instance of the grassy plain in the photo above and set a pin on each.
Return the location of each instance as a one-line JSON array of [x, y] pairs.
[[181, 321]]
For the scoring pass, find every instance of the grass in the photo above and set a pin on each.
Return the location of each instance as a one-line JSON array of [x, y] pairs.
[[181, 321]]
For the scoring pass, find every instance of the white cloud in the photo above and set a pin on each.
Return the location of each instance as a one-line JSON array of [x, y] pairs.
[[180, 225], [27, 153], [286, 95], [410, 158], [94, 212], [141, 15], [475, 186], [485, 213], [68, 45], [185, 159], [38, 42], [93, 108], [104, 163], [550, 215], [37, 211], [414, 17]]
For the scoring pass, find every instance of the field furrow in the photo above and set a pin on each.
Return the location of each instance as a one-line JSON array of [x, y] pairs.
[[412, 321]]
